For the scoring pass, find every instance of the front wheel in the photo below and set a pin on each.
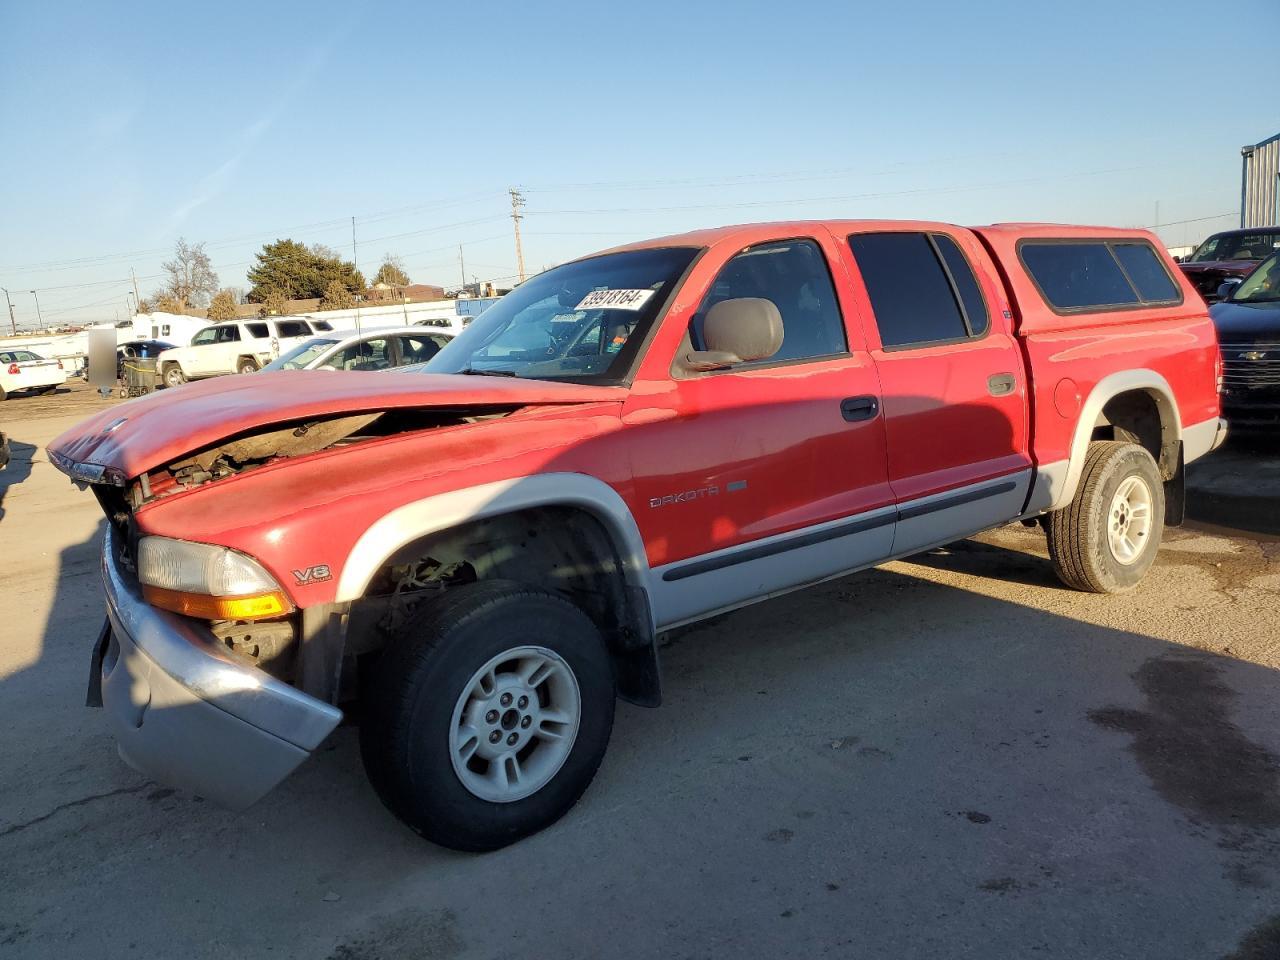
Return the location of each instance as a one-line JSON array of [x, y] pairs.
[[173, 376], [1106, 539], [486, 718]]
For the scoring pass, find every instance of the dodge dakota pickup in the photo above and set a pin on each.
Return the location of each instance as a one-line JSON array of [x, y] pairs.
[[476, 560]]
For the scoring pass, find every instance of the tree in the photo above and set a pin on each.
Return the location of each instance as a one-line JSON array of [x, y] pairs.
[[391, 272], [166, 303], [190, 277], [298, 272], [275, 304], [337, 297], [223, 306]]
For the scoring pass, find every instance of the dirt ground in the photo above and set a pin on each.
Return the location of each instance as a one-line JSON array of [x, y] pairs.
[[950, 756]]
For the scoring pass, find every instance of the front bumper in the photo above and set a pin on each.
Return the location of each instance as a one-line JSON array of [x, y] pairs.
[[187, 715]]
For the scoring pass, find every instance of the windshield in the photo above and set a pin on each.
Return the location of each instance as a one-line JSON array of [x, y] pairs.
[[1261, 286], [301, 355], [1243, 246], [582, 321]]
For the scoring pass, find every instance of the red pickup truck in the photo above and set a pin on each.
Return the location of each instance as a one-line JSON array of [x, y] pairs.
[[482, 554]]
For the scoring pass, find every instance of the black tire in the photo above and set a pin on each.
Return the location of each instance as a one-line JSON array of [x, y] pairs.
[[173, 375], [4, 395], [246, 365], [411, 692], [1079, 542]]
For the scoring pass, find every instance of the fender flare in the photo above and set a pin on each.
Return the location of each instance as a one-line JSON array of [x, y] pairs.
[[1106, 389], [420, 518]]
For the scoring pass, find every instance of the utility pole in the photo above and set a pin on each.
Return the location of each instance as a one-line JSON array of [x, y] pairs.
[[13, 324], [134, 276], [517, 201], [355, 262], [39, 315], [462, 269]]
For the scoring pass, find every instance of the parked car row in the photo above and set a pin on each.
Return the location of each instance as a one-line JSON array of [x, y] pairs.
[[235, 346]]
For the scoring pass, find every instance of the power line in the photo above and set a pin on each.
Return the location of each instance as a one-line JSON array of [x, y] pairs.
[[1175, 223]]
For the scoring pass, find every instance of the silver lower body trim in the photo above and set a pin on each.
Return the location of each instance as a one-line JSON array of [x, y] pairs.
[[186, 715]]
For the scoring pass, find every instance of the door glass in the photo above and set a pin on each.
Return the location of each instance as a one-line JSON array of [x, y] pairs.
[[369, 355], [257, 331], [793, 275], [417, 349], [912, 298], [207, 335], [292, 328]]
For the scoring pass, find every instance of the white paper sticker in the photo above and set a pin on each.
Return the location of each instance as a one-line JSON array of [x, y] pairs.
[[615, 300]]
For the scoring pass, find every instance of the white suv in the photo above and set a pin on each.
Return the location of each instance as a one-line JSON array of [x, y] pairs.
[[235, 346]]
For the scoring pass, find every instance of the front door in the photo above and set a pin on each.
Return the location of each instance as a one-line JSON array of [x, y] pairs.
[[955, 398], [766, 475]]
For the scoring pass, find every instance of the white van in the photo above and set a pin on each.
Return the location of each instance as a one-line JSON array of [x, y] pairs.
[[235, 346]]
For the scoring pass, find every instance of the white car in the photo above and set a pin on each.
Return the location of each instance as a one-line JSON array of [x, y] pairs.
[[235, 346], [379, 349], [24, 370]]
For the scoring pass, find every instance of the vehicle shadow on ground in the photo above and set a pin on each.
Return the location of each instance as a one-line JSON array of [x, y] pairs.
[[18, 470], [881, 761], [1238, 486]]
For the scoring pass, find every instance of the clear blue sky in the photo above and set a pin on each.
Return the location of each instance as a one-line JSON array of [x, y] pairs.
[[128, 125]]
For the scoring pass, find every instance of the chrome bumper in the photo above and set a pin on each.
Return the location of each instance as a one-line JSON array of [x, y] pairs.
[[187, 715]]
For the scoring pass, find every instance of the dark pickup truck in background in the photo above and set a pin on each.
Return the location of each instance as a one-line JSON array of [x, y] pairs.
[[1229, 255]]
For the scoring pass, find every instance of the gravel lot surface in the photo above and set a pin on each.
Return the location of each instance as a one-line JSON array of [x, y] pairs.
[[950, 756]]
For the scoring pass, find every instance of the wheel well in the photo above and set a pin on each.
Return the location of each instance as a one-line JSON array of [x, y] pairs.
[[1145, 418], [563, 549], [244, 356]]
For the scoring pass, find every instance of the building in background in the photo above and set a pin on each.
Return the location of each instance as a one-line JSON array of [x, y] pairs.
[[1260, 183]]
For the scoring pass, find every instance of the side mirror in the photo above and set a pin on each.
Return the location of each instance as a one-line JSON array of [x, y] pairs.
[[738, 331], [1228, 287]]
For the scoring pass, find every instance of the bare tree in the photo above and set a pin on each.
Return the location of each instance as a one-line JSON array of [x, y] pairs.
[[392, 272], [191, 280]]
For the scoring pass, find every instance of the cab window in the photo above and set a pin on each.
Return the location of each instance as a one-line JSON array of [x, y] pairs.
[[369, 355], [921, 288], [202, 337], [418, 348], [793, 275]]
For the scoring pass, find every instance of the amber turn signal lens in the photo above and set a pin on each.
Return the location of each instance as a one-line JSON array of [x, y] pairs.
[[257, 607]]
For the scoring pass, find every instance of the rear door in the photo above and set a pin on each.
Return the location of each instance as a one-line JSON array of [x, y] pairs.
[[952, 376]]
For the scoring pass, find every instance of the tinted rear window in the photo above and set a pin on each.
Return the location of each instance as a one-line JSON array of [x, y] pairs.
[[1091, 275], [1146, 271], [1078, 275]]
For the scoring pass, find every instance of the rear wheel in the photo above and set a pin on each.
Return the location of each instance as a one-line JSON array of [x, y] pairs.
[[173, 375], [4, 395], [1107, 538], [246, 365], [486, 719]]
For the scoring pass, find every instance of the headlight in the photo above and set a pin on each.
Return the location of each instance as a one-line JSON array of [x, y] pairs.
[[206, 581]]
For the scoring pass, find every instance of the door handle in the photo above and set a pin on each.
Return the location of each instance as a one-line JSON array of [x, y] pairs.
[[854, 409], [1001, 384]]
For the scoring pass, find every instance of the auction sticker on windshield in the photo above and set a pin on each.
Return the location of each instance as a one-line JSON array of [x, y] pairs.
[[614, 300]]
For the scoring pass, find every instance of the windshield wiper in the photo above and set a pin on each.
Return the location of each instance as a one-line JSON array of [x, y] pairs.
[[473, 372]]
